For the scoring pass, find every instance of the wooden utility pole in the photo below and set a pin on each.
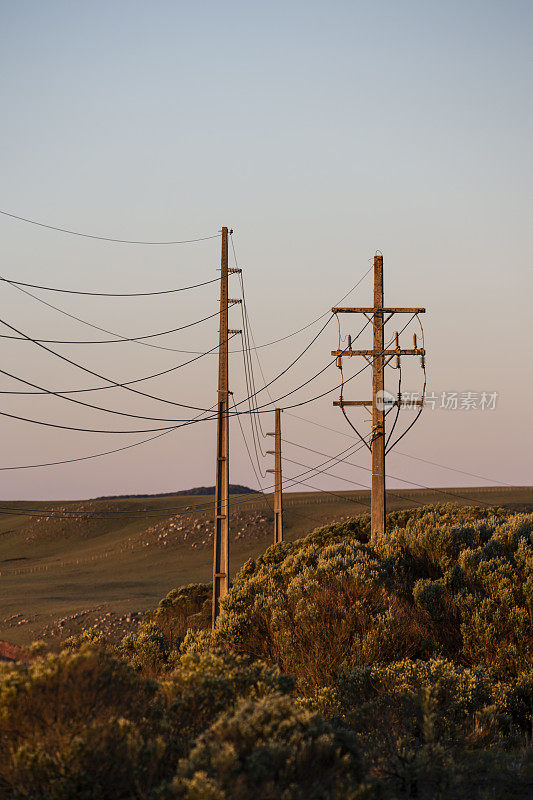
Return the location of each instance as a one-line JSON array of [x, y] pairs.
[[221, 537], [378, 497], [378, 357], [278, 484]]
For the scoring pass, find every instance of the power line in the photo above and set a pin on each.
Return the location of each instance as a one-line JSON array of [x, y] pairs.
[[125, 384], [92, 430], [309, 324], [88, 405], [85, 458], [246, 446], [103, 330], [82, 430], [452, 469], [103, 238], [162, 347], [406, 455], [107, 294], [415, 420], [334, 494], [198, 507], [328, 391], [111, 341], [198, 418], [255, 419], [394, 477], [115, 384], [347, 480]]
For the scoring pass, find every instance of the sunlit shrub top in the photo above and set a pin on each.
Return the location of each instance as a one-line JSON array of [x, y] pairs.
[[443, 581]]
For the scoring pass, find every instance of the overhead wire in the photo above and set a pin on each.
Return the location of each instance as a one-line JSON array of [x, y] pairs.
[[255, 419], [405, 455], [421, 408], [105, 238], [393, 477], [99, 328], [88, 405], [128, 514], [198, 507], [247, 448], [398, 406], [328, 391], [20, 284], [164, 430], [127, 384], [115, 341], [258, 410], [251, 416], [114, 384], [107, 294]]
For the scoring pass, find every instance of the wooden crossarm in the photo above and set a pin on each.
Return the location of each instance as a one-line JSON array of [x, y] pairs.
[[385, 310], [418, 351]]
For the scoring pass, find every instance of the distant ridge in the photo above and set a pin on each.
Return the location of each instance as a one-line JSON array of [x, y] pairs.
[[234, 488]]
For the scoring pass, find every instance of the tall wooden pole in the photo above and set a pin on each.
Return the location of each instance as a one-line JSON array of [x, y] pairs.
[[278, 481], [378, 511], [221, 537], [278, 485]]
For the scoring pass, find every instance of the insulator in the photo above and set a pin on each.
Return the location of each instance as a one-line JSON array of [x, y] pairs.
[[397, 339], [414, 340], [339, 362], [349, 342], [423, 361]]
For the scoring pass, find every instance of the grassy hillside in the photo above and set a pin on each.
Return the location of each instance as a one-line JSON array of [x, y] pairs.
[[60, 576]]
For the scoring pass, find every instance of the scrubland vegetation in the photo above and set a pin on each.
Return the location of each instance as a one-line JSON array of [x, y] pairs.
[[339, 670]]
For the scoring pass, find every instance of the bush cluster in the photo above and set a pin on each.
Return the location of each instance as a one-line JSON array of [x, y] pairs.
[[443, 582], [339, 670]]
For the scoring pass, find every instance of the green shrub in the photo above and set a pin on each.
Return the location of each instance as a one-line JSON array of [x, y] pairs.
[[443, 581], [78, 724], [271, 748], [386, 699], [206, 683], [86, 724], [156, 645]]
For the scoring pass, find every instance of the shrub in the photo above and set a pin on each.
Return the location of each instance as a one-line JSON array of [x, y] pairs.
[[271, 748], [78, 724], [443, 581], [206, 683], [155, 647], [386, 699], [85, 724]]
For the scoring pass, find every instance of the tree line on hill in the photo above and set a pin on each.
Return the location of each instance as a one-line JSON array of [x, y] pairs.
[[234, 488]]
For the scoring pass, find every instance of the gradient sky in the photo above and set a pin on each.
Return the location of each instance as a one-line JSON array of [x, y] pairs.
[[320, 132]]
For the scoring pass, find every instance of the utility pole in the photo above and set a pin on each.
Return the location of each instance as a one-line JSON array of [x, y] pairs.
[[221, 537], [221, 534], [378, 358], [378, 497], [278, 484]]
